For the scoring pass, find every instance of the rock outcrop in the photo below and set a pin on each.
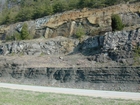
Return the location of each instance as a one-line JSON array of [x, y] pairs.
[[93, 21], [117, 46], [106, 78], [112, 46], [70, 62], [56, 46], [94, 16]]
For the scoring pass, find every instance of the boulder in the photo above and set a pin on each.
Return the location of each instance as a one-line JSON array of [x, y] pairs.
[[48, 33], [130, 19], [92, 19]]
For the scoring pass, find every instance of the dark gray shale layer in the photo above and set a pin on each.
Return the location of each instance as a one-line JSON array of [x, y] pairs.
[[104, 78]]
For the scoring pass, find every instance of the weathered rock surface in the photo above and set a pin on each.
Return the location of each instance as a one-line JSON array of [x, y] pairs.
[[97, 14], [116, 46], [130, 19], [121, 45], [59, 45], [112, 46], [106, 78], [93, 21], [109, 49]]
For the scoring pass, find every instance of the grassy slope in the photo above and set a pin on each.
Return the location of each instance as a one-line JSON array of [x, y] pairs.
[[18, 97]]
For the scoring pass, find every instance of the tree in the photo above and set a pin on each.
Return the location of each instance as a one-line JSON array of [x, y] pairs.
[[7, 19], [84, 3], [60, 7], [49, 10], [24, 32], [116, 23], [73, 4], [24, 14], [111, 2]]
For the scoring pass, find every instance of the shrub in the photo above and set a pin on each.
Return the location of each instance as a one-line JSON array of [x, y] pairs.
[[15, 36], [83, 3], [49, 10], [39, 11], [7, 19], [25, 32], [73, 4], [60, 7], [9, 38], [116, 23], [111, 2], [137, 51], [25, 14], [79, 32], [137, 55], [24, 35]]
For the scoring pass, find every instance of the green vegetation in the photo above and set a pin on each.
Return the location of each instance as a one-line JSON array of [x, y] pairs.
[[17, 97], [113, 2], [117, 24], [23, 35], [92, 3], [24, 32], [79, 32], [137, 55], [15, 36], [137, 51], [33, 9]]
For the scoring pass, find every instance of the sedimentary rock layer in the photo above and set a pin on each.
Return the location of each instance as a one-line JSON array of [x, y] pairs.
[[93, 77]]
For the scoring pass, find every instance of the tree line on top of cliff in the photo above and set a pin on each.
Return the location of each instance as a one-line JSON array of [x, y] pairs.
[[24, 10]]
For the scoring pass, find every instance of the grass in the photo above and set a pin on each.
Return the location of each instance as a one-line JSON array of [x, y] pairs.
[[19, 97]]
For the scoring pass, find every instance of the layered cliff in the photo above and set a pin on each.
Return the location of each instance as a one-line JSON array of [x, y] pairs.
[[103, 78], [102, 59], [93, 21], [118, 46]]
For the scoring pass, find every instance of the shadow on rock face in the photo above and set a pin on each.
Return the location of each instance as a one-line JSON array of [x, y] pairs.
[[90, 46]]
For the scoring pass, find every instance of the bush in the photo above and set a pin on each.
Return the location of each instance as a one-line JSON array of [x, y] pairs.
[[79, 32], [24, 14], [9, 38], [91, 3], [49, 10], [83, 3], [60, 7], [73, 4], [7, 17], [137, 51], [117, 24], [24, 35], [137, 55], [15, 36], [111, 2], [25, 32]]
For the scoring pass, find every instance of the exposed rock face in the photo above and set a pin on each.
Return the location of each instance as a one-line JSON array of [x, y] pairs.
[[60, 45], [130, 19], [112, 46], [65, 24], [115, 45], [97, 14], [120, 45], [107, 78]]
